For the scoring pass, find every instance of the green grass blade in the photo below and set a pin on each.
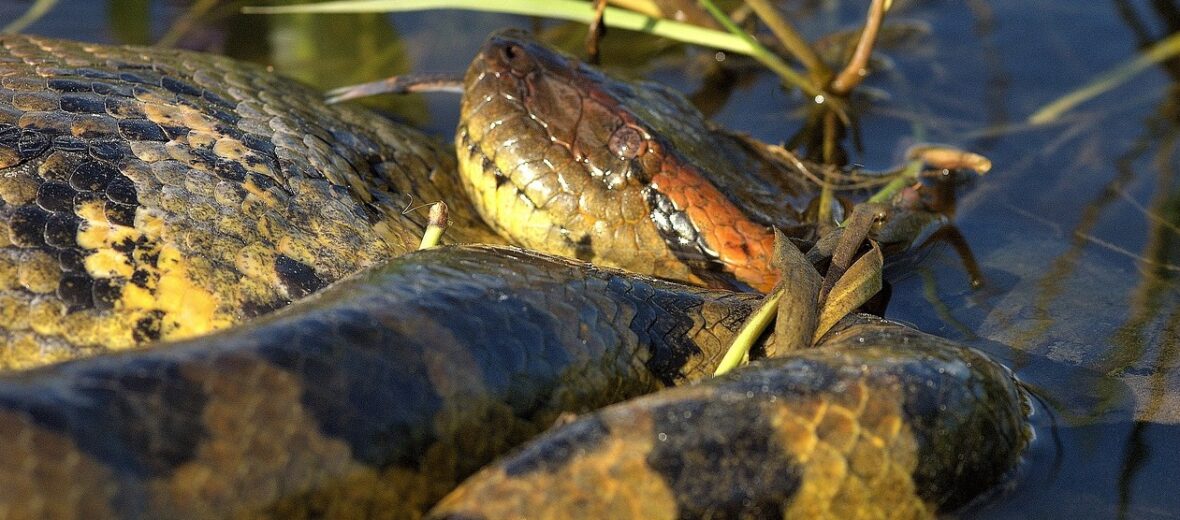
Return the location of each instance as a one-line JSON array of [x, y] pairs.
[[34, 13], [740, 348], [572, 10], [769, 59], [1167, 48]]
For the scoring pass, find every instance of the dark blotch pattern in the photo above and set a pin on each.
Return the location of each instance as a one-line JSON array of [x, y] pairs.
[[179, 87], [76, 291], [580, 438], [724, 449], [106, 292], [61, 231], [141, 130], [84, 104], [148, 328], [299, 278], [142, 421], [685, 241], [56, 197], [369, 395], [69, 85], [27, 226], [585, 249], [121, 214], [667, 324], [709, 469], [93, 176], [122, 191], [32, 144]]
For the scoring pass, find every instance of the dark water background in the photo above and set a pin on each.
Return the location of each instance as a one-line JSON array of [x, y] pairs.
[[1077, 228]]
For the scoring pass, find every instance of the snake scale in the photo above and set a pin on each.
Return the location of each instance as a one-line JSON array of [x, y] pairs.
[[155, 196]]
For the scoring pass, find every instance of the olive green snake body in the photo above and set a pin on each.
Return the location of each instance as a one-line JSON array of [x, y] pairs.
[[156, 195]]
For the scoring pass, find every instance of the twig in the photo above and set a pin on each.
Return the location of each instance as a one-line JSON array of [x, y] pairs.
[[858, 65], [597, 29], [405, 84]]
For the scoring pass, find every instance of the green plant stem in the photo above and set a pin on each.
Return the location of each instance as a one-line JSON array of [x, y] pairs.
[[903, 179], [435, 225], [790, 38], [762, 54], [827, 189], [740, 348], [1167, 48], [34, 13], [573, 10]]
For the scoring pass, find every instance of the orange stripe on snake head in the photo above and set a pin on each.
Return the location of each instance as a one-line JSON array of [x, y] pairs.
[[741, 245]]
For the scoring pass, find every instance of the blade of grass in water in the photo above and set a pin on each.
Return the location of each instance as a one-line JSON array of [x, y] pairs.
[[573, 10], [34, 13], [1167, 48]]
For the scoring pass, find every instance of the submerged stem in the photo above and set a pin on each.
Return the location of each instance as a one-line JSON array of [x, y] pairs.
[[904, 178], [1167, 48]]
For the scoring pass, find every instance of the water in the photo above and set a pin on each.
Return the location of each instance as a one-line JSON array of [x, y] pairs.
[[1075, 228]]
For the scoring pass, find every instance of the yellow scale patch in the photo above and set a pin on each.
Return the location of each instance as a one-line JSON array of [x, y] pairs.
[[188, 309], [851, 469]]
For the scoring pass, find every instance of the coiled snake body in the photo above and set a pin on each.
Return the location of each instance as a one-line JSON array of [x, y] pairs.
[[151, 195]]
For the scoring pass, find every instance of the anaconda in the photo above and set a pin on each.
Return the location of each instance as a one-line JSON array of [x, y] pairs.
[[141, 180]]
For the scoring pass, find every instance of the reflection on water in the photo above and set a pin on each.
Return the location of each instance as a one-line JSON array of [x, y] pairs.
[[1076, 229]]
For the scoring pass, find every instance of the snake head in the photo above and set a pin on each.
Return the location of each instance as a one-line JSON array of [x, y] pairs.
[[567, 159]]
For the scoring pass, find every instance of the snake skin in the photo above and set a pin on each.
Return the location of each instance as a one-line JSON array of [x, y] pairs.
[[151, 195], [878, 421], [370, 399]]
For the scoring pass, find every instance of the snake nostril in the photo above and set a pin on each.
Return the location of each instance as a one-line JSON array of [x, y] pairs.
[[517, 59]]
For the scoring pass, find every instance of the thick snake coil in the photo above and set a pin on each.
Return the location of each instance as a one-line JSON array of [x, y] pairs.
[[160, 195]]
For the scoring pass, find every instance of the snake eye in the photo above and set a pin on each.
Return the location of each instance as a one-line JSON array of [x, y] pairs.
[[626, 142], [517, 59]]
